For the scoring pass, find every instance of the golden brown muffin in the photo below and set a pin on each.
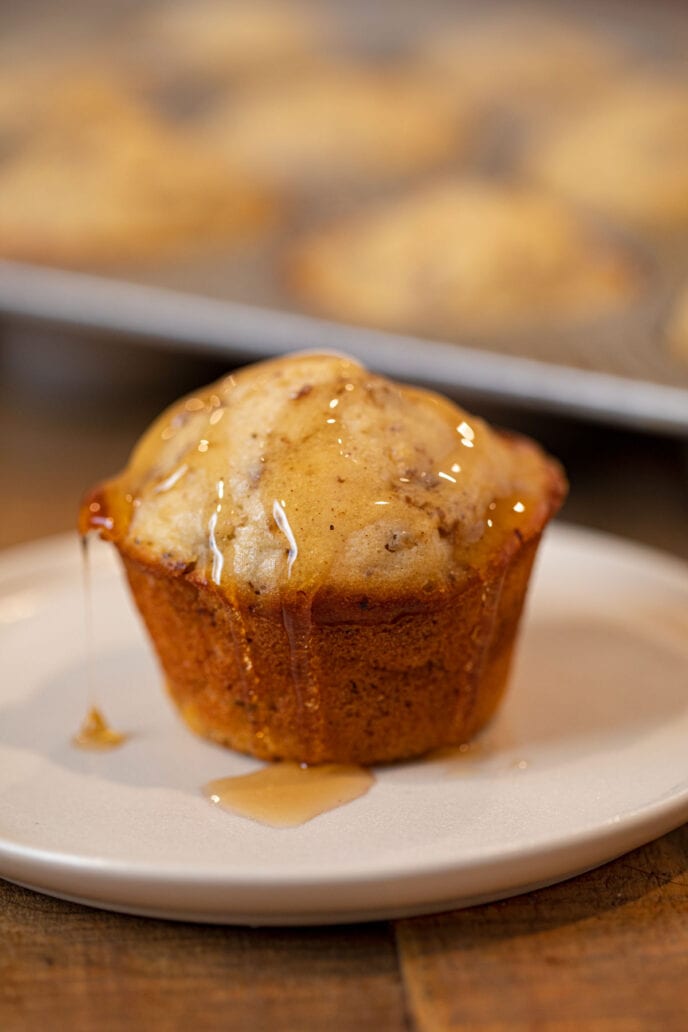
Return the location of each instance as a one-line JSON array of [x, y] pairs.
[[677, 326], [535, 62], [626, 155], [98, 179], [331, 566], [337, 123], [463, 255], [30, 90], [17, 102], [227, 38]]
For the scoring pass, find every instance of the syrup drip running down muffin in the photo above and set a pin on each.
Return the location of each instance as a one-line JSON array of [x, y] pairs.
[[331, 566]]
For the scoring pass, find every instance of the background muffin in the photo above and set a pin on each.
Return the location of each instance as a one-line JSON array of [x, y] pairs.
[[464, 255], [226, 40], [98, 179], [337, 123], [529, 62], [626, 155]]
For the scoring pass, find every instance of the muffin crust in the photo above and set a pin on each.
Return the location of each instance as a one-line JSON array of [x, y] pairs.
[[331, 566]]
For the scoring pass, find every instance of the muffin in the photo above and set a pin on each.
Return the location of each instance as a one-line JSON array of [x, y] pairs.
[[626, 155], [225, 41], [331, 566], [463, 255], [337, 123], [525, 62], [98, 179], [676, 332]]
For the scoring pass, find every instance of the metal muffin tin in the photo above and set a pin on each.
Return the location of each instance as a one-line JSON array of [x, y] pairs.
[[618, 370]]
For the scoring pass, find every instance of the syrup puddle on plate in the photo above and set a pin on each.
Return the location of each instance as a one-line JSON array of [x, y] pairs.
[[284, 795]]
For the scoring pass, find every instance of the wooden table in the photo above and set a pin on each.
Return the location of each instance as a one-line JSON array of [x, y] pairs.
[[606, 951]]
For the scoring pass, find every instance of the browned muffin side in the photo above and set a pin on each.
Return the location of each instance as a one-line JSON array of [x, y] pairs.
[[331, 566]]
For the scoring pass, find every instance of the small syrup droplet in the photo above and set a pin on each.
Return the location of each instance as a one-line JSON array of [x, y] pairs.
[[96, 733]]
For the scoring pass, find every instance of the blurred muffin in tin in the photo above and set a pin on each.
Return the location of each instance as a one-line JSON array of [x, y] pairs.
[[226, 40], [676, 333], [463, 255], [331, 566], [626, 154], [337, 124], [522, 60], [95, 178]]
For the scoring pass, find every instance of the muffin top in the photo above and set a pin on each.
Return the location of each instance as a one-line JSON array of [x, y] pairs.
[[624, 155], [310, 474], [337, 123], [92, 177]]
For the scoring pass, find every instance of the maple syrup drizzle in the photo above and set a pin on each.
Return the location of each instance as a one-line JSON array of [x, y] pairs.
[[87, 595], [247, 674], [285, 795], [482, 638], [95, 732], [297, 620], [237, 627]]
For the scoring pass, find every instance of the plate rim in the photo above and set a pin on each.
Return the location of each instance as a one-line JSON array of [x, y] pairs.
[[592, 845]]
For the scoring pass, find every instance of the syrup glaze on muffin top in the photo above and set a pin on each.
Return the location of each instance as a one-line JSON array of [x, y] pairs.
[[309, 474]]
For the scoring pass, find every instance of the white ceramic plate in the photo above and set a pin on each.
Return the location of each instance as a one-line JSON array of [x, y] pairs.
[[587, 760]]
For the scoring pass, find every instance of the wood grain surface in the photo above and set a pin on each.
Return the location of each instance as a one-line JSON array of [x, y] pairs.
[[606, 952], [70, 967]]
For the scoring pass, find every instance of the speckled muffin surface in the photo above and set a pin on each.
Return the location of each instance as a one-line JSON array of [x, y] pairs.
[[331, 566]]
